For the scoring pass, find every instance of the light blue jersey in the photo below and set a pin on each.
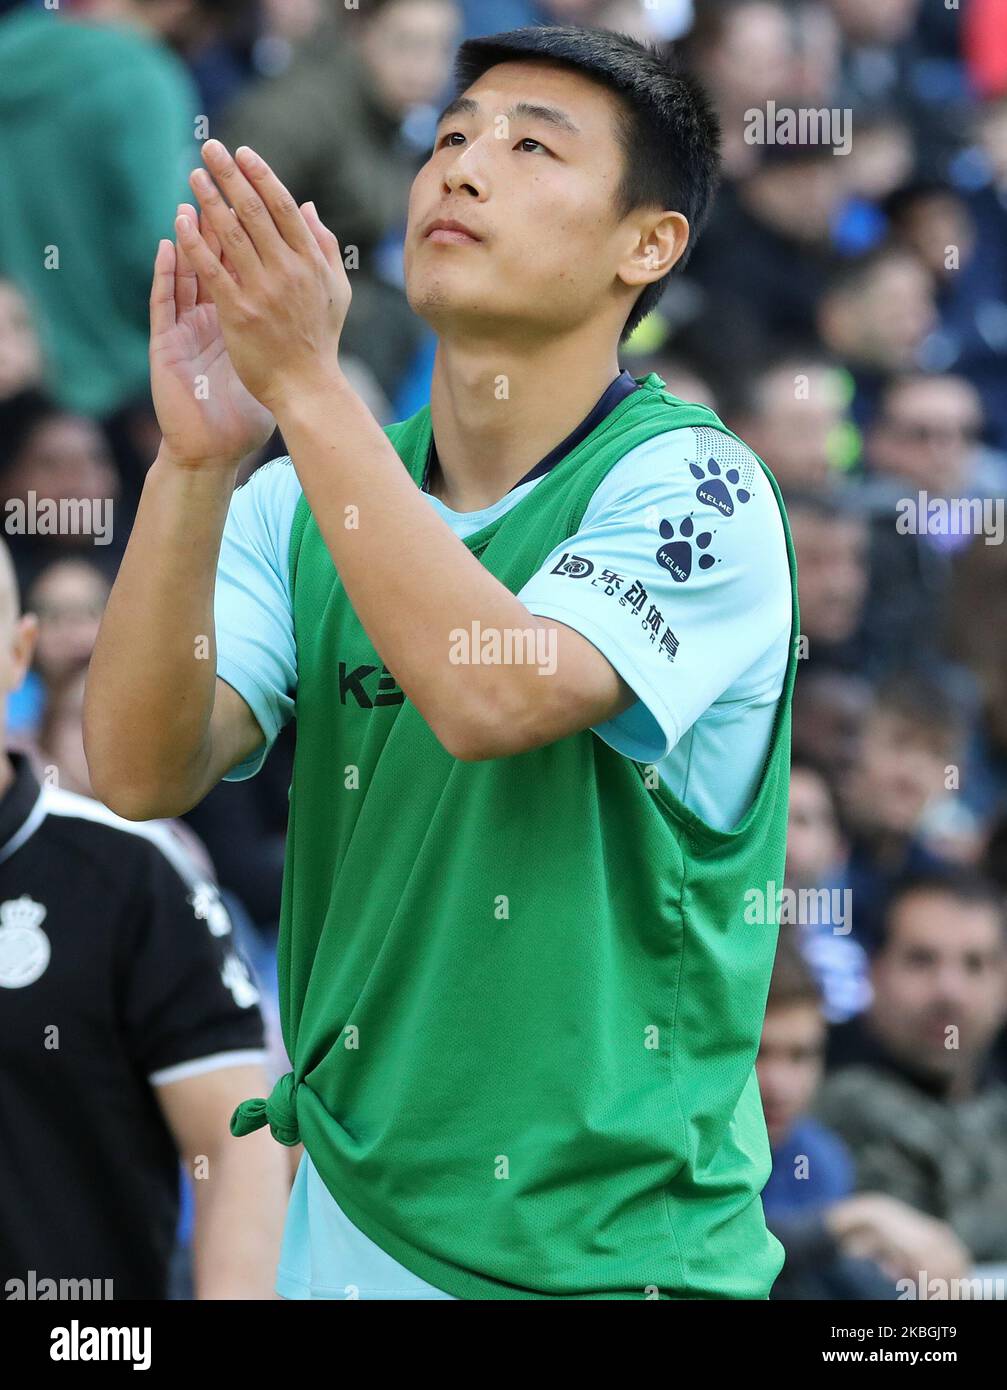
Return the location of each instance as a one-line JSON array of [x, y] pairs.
[[701, 638]]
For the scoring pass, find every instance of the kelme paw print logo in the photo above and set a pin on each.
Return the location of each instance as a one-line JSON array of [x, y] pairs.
[[713, 490], [677, 555]]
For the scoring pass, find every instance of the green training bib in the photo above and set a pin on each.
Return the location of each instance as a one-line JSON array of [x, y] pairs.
[[520, 999]]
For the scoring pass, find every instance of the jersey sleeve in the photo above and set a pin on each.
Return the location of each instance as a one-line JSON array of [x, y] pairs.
[[189, 1002], [253, 612], [679, 576]]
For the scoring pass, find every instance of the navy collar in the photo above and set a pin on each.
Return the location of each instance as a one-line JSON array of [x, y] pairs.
[[622, 386]]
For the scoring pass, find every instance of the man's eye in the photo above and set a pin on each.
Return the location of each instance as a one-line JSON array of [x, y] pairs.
[[447, 136], [529, 141]]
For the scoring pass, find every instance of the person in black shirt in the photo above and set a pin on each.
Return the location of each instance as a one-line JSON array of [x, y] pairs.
[[129, 1032]]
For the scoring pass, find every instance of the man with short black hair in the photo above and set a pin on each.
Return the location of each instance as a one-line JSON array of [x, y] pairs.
[[912, 736], [831, 537], [840, 1243], [539, 637], [916, 1095]]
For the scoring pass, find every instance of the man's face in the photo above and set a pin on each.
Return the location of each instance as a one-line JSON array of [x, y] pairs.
[[882, 323], [540, 197], [68, 599], [881, 159], [754, 56], [936, 222], [799, 197], [796, 432], [897, 312], [927, 433], [789, 1064], [814, 847], [829, 714], [899, 770], [939, 982], [407, 50], [65, 457], [832, 567]]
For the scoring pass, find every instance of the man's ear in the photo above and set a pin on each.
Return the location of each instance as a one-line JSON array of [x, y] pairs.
[[659, 243], [24, 636]]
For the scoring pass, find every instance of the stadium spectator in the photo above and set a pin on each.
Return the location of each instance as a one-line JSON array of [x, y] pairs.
[[765, 259], [926, 433], [915, 1094], [931, 219], [930, 487], [59, 744], [957, 243], [744, 53], [814, 64], [131, 1030], [815, 842], [215, 38], [874, 316], [59, 486], [881, 158], [831, 541], [793, 409], [884, 61], [816, 880], [826, 1230], [829, 712], [96, 136], [68, 599], [912, 736], [976, 635], [335, 127]]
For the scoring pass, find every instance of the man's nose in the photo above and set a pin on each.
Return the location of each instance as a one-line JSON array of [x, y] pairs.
[[952, 988], [467, 171]]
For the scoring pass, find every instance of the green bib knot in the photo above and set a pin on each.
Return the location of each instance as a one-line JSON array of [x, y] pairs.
[[279, 1111]]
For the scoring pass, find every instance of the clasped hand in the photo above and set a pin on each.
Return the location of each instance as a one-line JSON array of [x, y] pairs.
[[279, 284]]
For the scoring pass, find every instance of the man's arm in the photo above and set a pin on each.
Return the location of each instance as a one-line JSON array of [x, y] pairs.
[[187, 1006], [159, 728], [413, 609], [241, 1190], [281, 326]]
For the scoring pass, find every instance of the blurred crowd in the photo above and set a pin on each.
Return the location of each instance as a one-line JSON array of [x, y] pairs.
[[845, 312]]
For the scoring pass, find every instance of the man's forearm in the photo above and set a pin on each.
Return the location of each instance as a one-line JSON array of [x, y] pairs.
[[150, 687], [415, 586], [238, 1222], [411, 580]]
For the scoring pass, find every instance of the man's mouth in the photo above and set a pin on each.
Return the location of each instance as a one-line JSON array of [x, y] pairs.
[[450, 232]]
